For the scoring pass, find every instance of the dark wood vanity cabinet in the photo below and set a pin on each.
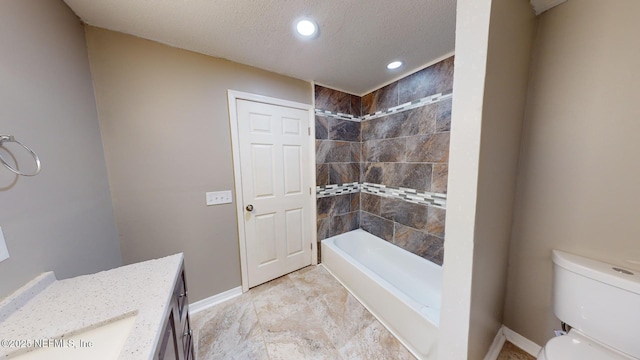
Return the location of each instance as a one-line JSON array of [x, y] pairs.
[[176, 342]]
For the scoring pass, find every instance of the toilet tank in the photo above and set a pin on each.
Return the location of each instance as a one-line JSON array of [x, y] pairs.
[[600, 300]]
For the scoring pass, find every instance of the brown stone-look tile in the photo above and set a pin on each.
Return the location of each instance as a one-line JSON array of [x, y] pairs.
[[356, 105], [435, 221], [322, 174], [439, 147], [356, 151], [341, 224], [322, 127], [387, 96], [355, 202], [368, 103], [385, 127], [417, 148], [412, 240], [323, 228], [406, 213], [443, 118], [370, 203], [428, 148], [377, 226], [323, 151], [381, 99], [340, 151], [437, 78], [412, 176], [388, 150], [435, 253], [439, 178], [420, 121], [416, 86], [344, 130], [367, 129], [333, 205], [332, 100], [373, 173], [340, 173], [444, 75], [323, 207]]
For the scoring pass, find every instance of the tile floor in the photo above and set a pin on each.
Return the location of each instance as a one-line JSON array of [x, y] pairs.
[[304, 315], [512, 352]]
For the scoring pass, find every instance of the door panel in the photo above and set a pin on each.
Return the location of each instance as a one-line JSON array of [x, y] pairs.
[[263, 179], [260, 123], [274, 154], [291, 126], [292, 160], [295, 228], [265, 225]]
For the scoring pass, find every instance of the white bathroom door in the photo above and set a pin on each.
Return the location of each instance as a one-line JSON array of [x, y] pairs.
[[276, 188]]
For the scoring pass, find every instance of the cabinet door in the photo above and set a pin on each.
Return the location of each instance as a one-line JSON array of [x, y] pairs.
[[168, 348], [187, 337], [181, 294], [177, 342]]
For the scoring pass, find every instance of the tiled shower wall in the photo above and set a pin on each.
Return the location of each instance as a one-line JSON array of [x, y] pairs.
[[338, 157], [400, 149]]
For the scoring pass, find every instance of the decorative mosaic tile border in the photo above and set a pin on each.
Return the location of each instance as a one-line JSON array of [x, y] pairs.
[[333, 190], [402, 107], [337, 115], [410, 105], [409, 195]]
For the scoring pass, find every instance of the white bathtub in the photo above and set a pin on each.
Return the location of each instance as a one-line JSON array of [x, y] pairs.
[[401, 289]]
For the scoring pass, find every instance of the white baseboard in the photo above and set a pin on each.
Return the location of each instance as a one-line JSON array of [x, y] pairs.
[[520, 341], [496, 346], [505, 334], [214, 300]]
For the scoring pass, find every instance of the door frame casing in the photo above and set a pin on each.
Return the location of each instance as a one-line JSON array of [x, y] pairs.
[[233, 96]]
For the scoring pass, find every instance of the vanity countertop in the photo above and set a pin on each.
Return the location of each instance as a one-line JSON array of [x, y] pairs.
[[46, 308]]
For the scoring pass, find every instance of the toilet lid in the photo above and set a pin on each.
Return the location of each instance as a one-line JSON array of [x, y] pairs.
[[575, 346]]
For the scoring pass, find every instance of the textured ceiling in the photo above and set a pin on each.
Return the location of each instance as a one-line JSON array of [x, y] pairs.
[[357, 38]]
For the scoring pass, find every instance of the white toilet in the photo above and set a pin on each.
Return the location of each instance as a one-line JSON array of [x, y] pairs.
[[601, 303]]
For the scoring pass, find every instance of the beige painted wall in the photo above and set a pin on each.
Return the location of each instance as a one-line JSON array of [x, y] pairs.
[[165, 127], [62, 219], [579, 172], [511, 36], [493, 43]]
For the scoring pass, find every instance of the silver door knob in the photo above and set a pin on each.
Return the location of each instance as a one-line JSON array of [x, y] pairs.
[[249, 207]]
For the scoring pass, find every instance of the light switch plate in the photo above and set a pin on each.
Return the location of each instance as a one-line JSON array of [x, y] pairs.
[[218, 197], [4, 253]]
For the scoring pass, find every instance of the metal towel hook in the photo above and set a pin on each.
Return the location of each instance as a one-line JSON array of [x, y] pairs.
[[10, 138]]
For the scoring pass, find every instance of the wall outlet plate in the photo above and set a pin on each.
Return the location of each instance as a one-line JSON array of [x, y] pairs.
[[4, 253], [218, 197]]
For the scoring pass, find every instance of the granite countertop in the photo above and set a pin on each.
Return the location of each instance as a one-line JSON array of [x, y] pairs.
[[46, 308]]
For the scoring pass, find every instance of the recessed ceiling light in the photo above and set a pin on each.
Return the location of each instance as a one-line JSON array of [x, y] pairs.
[[306, 28], [394, 65]]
